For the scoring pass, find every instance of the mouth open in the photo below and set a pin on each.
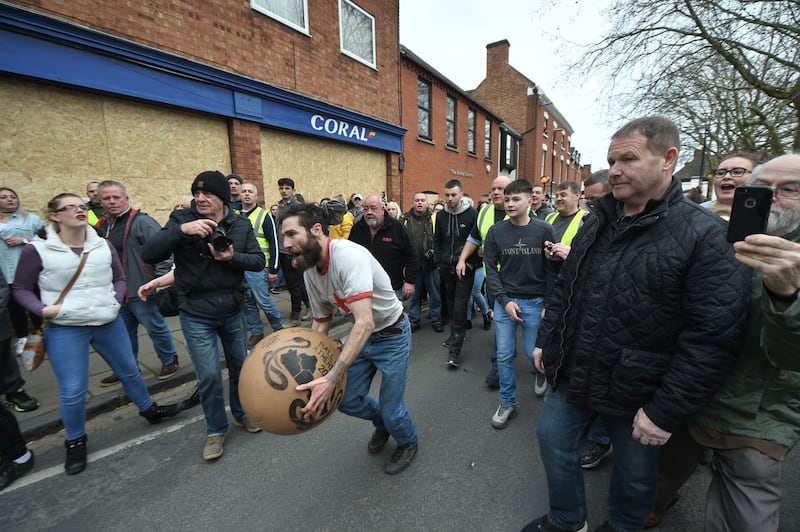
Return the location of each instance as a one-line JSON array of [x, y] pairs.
[[727, 187]]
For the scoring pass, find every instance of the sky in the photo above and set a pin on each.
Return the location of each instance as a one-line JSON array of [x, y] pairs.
[[545, 38]]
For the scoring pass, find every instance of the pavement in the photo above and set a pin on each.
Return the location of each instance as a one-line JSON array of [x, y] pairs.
[[42, 385]]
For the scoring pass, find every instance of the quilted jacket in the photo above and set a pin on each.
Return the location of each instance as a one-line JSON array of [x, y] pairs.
[[649, 313], [761, 398]]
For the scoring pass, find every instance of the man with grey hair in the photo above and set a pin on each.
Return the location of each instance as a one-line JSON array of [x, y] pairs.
[[754, 420], [128, 231], [388, 241], [626, 334]]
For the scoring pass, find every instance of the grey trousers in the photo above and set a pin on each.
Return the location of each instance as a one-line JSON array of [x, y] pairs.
[[745, 493]]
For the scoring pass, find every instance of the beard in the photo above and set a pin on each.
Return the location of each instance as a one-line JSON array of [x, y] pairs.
[[782, 220], [309, 256], [371, 222]]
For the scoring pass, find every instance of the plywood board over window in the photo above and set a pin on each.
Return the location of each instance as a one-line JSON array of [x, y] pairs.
[[320, 168], [55, 140]]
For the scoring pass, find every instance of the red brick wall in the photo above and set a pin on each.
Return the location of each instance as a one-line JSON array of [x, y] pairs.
[[429, 165], [245, 141], [506, 92], [228, 34]]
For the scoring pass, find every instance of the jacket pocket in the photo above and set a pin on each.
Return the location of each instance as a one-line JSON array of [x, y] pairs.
[[637, 375]]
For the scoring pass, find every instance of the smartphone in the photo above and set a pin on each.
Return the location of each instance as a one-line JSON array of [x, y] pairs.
[[750, 211]]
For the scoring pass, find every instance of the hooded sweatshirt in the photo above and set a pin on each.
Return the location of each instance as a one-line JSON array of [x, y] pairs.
[[452, 230]]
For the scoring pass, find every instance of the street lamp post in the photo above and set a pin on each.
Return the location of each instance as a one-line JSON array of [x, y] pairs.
[[553, 161]]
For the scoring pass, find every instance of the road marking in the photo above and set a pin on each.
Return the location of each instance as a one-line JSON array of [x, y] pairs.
[[50, 472]]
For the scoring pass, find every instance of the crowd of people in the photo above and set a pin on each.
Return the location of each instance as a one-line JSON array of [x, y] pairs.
[[647, 333]]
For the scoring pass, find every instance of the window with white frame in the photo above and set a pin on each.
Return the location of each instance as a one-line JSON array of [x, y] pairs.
[[293, 13], [471, 131], [508, 147], [544, 158], [357, 33], [424, 108], [451, 122], [487, 137]]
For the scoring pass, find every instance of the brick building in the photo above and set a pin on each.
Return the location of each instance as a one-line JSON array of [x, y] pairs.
[[545, 147], [151, 93], [451, 135]]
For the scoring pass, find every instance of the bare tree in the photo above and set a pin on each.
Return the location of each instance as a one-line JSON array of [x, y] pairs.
[[727, 70]]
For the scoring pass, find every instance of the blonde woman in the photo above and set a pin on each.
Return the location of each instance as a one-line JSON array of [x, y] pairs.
[[88, 315]]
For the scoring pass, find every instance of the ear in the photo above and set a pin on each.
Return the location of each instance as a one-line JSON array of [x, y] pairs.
[[671, 158]]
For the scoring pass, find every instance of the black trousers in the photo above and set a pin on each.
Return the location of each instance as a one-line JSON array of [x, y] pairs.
[[12, 444], [19, 317], [457, 292], [10, 379], [294, 283]]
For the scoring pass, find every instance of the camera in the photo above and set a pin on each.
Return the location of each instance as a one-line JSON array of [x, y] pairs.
[[429, 254], [219, 239]]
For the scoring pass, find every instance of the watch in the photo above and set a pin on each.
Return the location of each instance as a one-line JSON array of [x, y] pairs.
[[26, 241]]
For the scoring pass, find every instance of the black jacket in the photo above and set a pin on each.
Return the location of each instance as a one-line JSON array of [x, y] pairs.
[[452, 230], [646, 315], [206, 287], [392, 248], [420, 231]]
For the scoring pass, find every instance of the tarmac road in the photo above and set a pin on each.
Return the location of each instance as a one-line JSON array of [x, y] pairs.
[[467, 475]]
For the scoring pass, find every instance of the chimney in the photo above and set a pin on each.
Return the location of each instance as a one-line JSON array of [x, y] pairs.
[[496, 56]]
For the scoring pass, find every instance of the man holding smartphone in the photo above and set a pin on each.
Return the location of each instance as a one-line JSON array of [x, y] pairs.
[[754, 421], [641, 327]]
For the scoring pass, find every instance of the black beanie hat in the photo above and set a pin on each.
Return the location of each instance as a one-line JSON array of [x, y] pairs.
[[214, 182], [237, 177]]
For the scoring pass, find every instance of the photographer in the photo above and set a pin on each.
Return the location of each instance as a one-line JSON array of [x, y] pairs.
[[212, 247], [419, 222]]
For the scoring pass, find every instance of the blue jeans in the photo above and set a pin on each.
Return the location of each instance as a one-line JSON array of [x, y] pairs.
[[389, 354], [505, 334], [598, 434], [137, 311], [430, 280], [203, 338], [69, 355], [476, 294], [259, 291], [561, 431]]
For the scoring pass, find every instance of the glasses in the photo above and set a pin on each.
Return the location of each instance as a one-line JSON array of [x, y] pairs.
[[73, 208], [790, 191], [373, 208], [735, 172]]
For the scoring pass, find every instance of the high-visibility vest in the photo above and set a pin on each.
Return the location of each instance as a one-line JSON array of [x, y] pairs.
[[572, 228], [91, 218], [256, 217]]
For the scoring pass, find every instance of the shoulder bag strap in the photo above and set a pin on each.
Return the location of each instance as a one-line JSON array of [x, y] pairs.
[[71, 282]]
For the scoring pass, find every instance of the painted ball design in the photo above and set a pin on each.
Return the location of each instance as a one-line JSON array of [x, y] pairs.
[[275, 367]]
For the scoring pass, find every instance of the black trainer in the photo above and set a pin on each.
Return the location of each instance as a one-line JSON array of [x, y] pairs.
[[156, 413], [487, 321], [76, 455], [377, 441], [452, 360], [20, 401], [194, 399], [594, 454], [493, 379], [543, 524], [11, 471], [400, 460]]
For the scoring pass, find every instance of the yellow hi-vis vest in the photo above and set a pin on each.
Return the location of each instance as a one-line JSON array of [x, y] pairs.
[[91, 218], [256, 217], [572, 228]]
